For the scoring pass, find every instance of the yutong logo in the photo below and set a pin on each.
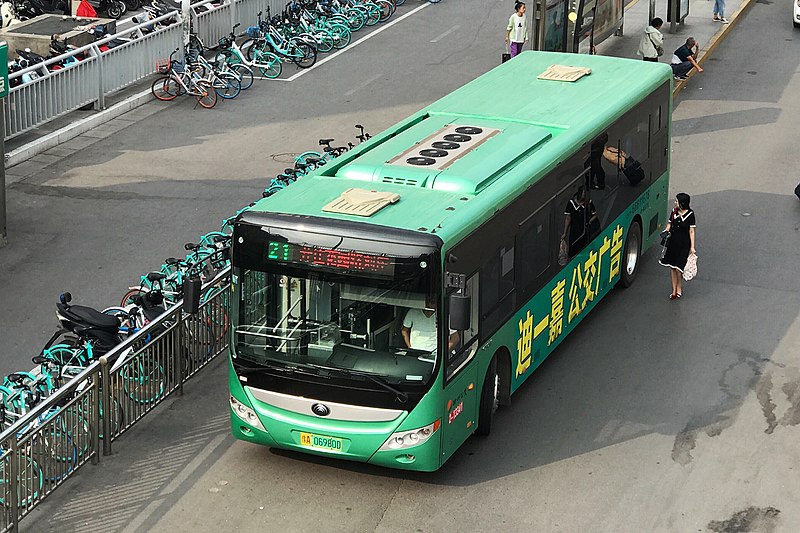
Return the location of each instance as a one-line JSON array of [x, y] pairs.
[[320, 409]]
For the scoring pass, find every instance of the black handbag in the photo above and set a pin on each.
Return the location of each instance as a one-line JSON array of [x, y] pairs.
[[664, 242], [633, 170]]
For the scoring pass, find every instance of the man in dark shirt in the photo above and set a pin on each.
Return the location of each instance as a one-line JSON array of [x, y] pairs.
[[684, 59]]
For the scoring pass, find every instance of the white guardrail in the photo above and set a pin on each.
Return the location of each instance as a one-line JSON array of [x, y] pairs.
[[88, 81], [56, 92]]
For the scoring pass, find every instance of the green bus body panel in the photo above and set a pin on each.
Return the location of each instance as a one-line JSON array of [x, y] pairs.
[[540, 119]]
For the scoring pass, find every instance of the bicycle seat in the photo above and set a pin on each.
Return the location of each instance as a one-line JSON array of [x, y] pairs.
[[172, 261], [88, 316], [220, 238], [15, 378], [156, 276], [39, 360], [190, 246], [323, 142]]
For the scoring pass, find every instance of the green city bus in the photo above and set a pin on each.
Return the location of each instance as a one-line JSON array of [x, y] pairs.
[[483, 228]]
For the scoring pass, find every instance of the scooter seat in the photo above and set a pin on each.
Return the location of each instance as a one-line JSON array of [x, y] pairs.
[[92, 317]]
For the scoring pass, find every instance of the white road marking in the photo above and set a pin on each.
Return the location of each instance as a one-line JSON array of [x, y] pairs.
[[445, 34], [363, 84], [356, 43]]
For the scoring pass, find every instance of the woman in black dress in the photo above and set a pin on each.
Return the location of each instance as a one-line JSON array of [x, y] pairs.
[[680, 226]]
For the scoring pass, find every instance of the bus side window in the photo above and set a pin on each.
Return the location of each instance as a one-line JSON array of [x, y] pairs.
[[497, 286], [463, 343], [533, 250]]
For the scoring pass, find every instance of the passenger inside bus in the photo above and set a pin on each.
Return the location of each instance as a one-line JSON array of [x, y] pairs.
[[419, 328], [578, 229]]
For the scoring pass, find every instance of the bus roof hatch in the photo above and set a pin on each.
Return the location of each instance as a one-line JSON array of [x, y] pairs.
[[361, 202]]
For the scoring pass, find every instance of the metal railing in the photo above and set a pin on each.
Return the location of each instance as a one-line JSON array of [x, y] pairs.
[[56, 92], [66, 430]]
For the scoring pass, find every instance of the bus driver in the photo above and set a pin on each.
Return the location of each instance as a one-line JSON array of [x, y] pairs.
[[419, 328]]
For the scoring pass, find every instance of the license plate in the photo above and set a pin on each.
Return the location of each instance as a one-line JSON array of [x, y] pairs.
[[311, 440]]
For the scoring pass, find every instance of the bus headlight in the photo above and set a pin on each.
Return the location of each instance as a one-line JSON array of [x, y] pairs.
[[246, 414], [409, 438]]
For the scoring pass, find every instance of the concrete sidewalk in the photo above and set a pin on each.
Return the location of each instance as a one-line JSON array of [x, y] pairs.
[[698, 24]]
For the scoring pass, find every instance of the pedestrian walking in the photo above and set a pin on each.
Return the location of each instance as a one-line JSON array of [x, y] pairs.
[[719, 12], [651, 45], [685, 59], [681, 242], [517, 30]]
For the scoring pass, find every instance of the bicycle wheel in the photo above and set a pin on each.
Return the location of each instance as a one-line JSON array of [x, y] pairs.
[[373, 14], [165, 88], [306, 56], [269, 64], [29, 480], [227, 85], [143, 380], [244, 73], [206, 95], [341, 36], [399, 3], [387, 9]]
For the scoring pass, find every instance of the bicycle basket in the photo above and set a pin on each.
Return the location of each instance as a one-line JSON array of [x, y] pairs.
[[162, 66], [224, 43], [253, 32]]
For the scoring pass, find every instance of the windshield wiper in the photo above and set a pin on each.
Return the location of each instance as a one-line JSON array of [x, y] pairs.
[[401, 396]]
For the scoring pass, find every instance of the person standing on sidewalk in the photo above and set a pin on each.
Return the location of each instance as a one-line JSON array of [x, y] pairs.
[[651, 44], [517, 30], [684, 59], [719, 12]]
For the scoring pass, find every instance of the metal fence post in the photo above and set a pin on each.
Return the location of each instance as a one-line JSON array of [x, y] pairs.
[[101, 92], [13, 482], [105, 397], [96, 420], [179, 352]]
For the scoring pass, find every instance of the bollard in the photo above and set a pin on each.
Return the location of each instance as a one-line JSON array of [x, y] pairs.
[[105, 397]]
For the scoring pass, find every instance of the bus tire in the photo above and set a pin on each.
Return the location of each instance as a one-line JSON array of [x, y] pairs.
[[631, 255], [490, 394]]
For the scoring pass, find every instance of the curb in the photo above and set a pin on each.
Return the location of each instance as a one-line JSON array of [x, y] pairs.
[[714, 42], [51, 140]]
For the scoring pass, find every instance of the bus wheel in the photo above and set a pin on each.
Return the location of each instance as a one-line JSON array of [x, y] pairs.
[[631, 255], [490, 397]]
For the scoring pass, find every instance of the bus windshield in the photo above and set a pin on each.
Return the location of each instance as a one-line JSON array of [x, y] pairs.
[[337, 323]]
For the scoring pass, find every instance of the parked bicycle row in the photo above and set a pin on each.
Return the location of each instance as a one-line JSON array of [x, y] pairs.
[[304, 29], [84, 334]]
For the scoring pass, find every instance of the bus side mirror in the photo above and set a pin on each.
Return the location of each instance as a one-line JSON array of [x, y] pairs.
[[460, 307], [191, 295]]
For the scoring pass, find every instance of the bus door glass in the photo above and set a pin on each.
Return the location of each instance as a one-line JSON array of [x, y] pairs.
[[460, 365]]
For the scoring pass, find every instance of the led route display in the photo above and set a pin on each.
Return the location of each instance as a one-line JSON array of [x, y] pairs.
[[327, 258]]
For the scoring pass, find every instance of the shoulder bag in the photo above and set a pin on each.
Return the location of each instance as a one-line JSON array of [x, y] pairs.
[[659, 49]]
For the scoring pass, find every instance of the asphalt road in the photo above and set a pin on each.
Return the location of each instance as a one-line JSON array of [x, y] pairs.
[[653, 416]]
